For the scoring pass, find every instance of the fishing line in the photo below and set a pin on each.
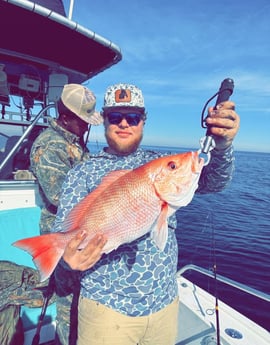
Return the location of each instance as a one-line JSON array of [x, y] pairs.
[[197, 243], [214, 259]]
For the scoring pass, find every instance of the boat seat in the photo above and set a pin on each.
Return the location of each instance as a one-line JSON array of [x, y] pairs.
[[16, 224]]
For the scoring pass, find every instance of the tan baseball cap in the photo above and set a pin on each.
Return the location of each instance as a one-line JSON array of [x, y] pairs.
[[81, 101]]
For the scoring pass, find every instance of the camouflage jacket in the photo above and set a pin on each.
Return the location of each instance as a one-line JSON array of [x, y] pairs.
[[53, 154]]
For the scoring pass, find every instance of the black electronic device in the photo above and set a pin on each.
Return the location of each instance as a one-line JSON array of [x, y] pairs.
[[223, 94]]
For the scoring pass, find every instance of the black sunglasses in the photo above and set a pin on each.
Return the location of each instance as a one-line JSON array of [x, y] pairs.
[[133, 119]]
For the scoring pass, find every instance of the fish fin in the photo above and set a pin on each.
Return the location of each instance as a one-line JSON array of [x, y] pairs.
[[46, 251], [159, 232], [75, 216]]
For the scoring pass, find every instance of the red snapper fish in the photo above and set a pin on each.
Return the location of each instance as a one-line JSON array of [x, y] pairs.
[[126, 205]]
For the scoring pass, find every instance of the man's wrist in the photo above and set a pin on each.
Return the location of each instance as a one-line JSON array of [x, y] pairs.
[[223, 150], [65, 266]]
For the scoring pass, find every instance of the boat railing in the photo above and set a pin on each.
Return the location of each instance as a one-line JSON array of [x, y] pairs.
[[224, 280], [25, 135]]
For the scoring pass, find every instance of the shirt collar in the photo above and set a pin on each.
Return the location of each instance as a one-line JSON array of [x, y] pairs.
[[105, 154], [70, 137]]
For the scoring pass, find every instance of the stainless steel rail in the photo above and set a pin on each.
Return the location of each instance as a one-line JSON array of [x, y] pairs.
[[225, 280], [25, 134]]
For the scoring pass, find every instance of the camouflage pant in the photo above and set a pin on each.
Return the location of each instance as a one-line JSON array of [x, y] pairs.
[[11, 328]]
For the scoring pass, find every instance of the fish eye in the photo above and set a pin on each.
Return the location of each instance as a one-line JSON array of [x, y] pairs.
[[172, 165]]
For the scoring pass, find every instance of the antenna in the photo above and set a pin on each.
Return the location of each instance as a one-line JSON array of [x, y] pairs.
[[70, 12]]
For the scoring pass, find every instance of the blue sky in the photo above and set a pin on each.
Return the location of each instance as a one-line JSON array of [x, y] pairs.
[[178, 52]]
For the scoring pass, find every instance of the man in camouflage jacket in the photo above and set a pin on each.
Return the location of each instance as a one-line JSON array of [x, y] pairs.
[[55, 151], [61, 146]]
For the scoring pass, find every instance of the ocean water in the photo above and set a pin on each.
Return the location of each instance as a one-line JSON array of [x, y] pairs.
[[231, 229]]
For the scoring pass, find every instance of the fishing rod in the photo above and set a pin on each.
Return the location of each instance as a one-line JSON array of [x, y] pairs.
[[216, 289], [47, 294], [224, 93]]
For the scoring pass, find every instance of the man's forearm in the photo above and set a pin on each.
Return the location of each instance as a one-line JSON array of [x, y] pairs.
[[218, 173]]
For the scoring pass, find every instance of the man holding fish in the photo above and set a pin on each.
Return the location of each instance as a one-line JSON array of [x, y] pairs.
[[117, 212]]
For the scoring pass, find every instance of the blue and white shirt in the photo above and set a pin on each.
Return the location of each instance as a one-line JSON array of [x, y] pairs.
[[136, 279]]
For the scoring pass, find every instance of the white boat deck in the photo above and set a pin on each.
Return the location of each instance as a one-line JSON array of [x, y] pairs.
[[192, 330], [197, 320]]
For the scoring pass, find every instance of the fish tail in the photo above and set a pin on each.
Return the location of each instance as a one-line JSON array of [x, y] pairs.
[[46, 251]]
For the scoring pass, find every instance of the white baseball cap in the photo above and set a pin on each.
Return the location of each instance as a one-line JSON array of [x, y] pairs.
[[123, 95], [81, 101]]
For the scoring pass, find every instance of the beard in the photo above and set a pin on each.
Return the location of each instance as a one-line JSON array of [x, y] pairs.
[[123, 148]]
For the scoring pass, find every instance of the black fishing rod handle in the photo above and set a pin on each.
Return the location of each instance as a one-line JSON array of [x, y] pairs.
[[225, 91]]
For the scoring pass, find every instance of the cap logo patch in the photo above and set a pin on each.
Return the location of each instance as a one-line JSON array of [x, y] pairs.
[[122, 96]]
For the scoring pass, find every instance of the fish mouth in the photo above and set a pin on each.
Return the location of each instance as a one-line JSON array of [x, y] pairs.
[[201, 163]]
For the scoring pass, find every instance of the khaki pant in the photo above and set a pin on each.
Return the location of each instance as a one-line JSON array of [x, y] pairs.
[[98, 324]]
